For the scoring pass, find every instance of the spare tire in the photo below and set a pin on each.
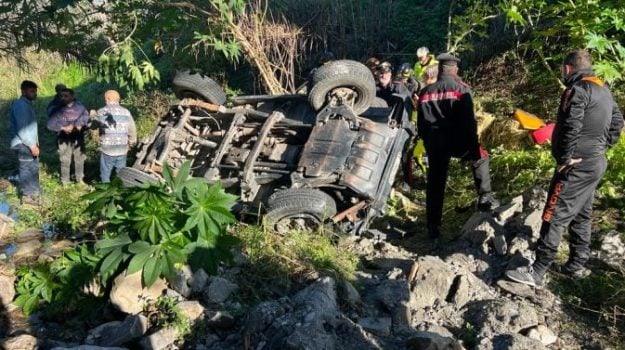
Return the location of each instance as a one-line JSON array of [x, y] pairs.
[[195, 85], [348, 74], [299, 208]]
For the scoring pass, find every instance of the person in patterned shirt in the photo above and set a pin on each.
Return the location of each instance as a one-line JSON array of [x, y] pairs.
[[117, 134]]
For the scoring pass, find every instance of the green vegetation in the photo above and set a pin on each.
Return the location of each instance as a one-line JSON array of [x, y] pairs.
[[164, 312]]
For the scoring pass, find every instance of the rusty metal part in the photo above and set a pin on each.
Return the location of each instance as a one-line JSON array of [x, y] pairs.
[[213, 170], [189, 102], [349, 213], [249, 186]]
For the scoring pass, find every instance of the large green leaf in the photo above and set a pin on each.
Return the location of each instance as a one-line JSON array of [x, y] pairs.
[[152, 271], [107, 245]]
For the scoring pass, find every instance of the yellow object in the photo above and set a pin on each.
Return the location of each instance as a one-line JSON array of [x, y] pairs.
[[594, 80], [418, 153], [527, 120]]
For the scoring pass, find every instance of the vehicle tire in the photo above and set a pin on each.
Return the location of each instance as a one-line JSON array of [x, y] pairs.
[[132, 177], [342, 74], [299, 208], [196, 85]]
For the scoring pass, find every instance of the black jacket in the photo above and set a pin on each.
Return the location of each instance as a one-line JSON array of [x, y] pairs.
[[589, 120], [446, 111]]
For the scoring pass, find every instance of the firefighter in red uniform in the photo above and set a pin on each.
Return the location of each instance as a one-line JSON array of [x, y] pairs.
[[446, 123]]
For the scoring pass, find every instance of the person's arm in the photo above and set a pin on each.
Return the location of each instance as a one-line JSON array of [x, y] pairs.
[[132, 131], [572, 124], [54, 122], [83, 119], [616, 125]]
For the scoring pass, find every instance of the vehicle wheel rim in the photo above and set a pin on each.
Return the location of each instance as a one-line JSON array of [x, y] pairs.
[[343, 96]]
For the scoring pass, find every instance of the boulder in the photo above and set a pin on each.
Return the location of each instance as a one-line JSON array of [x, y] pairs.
[[612, 250], [510, 341], [433, 281], [350, 294], [468, 288], [219, 319], [7, 290], [480, 229], [396, 297], [543, 334], [377, 325], [199, 281], [21, 342], [6, 226], [129, 295], [495, 317], [432, 341], [31, 234], [532, 223], [27, 249], [505, 212], [181, 281], [118, 333], [219, 290], [161, 339], [192, 309]]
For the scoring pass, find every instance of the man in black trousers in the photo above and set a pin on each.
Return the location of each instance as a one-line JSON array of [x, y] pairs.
[[589, 122], [446, 123]]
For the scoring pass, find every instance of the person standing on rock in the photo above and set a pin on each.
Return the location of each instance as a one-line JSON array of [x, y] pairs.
[[589, 122], [117, 134], [446, 123], [25, 142], [69, 123]]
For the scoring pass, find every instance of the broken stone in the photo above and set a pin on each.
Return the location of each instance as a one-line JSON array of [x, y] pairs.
[[482, 233], [532, 224], [199, 281], [468, 289], [394, 274], [433, 280], [219, 319], [520, 245], [6, 226], [494, 317], [475, 220], [27, 249], [395, 295], [510, 342], [262, 315], [499, 242], [350, 294], [118, 333], [432, 341], [520, 289], [31, 234], [505, 212], [192, 309], [7, 290], [543, 334], [220, 290], [128, 294], [181, 281], [159, 340], [535, 198], [612, 250], [377, 325], [21, 342]]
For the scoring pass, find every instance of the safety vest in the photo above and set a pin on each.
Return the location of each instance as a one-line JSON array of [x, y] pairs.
[[419, 69]]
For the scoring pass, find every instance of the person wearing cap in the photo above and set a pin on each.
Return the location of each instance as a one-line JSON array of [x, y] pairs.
[[424, 60], [386, 87], [56, 104], [405, 75], [372, 63], [446, 123], [117, 134]]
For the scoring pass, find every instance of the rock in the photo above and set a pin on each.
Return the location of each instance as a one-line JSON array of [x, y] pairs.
[[220, 290], [532, 223], [520, 259], [27, 249], [118, 333], [31, 234], [159, 340], [505, 212], [377, 325], [510, 342], [395, 273], [520, 245], [543, 334], [433, 280], [520, 289], [128, 294], [7, 290], [199, 281], [21, 342], [6, 226], [350, 294], [396, 297], [432, 341], [192, 309], [481, 233], [499, 242], [494, 317], [89, 347], [534, 198], [468, 289], [262, 315], [612, 250], [219, 319], [475, 220], [181, 281]]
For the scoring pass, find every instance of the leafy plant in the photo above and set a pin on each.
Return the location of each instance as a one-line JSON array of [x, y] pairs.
[[165, 312], [158, 228]]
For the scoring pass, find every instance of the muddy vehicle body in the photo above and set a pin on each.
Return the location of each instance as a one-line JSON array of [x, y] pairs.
[[304, 160]]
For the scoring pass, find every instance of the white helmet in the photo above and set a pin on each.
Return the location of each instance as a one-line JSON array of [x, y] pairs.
[[422, 52]]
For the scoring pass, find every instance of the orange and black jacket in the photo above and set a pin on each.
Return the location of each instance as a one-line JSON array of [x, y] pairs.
[[589, 120], [446, 110]]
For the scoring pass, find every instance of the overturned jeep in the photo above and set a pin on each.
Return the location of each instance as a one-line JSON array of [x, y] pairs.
[[304, 160]]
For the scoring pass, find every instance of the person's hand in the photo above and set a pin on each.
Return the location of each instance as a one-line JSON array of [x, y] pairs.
[[93, 113], [34, 149], [78, 128], [569, 164]]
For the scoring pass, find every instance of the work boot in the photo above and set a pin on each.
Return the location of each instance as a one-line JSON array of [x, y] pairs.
[[487, 202], [525, 275]]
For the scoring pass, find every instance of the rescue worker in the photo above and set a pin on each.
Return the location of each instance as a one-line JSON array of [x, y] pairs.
[[405, 75], [446, 123], [589, 122], [424, 60], [386, 87], [372, 63]]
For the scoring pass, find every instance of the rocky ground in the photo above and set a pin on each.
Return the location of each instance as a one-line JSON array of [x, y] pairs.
[[452, 296]]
